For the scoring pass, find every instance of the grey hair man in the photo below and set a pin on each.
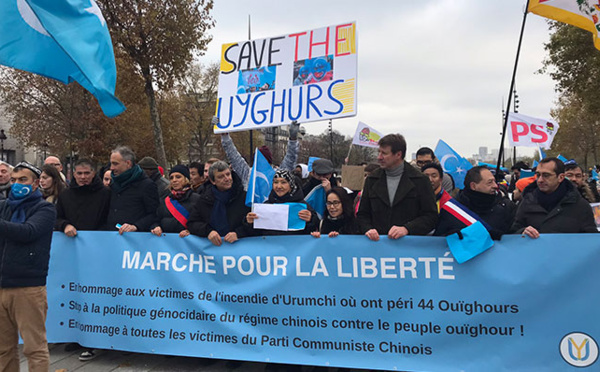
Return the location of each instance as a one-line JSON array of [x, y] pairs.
[[134, 197], [219, 212]]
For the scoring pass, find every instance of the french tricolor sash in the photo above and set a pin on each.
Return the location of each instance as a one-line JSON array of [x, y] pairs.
[[460, 212], [177, 210]]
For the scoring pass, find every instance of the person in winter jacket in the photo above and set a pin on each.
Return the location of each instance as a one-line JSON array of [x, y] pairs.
[[174, 210], [552, 204], [218, 213]]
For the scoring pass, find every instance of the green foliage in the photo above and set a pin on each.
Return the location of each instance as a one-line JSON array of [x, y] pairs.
[[574, 63]]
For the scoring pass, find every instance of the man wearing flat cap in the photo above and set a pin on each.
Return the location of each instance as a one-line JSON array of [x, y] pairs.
[[321, 174], [26, 224]]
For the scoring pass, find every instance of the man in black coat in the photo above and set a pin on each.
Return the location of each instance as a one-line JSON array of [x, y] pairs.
[[480, 196], [83, 206], [221, 208], [134, 197], [552, 204], [397, 199], [26, 224]]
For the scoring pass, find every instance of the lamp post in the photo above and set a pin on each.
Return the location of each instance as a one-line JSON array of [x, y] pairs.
[[2, 138]]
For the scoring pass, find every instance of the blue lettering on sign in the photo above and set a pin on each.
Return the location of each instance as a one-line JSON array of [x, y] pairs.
[[261, 112], [280, 105], [306, 102], [246, 104], [334, 99], [310, 99], [299, 113]]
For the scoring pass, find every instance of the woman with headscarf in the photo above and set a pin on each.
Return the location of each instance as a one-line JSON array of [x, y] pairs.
[[286, 189], [175, 208], [339, 216], [51, 183]]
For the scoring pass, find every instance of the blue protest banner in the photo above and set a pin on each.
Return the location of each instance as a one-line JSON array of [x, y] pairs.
[[524, 305]]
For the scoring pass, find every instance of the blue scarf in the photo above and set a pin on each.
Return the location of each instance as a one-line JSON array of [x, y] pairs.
[[121, 181], [218, 215], [21, 206]]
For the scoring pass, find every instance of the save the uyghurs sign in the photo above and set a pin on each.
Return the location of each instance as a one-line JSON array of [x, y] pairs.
[[524, 305], [303, 76]]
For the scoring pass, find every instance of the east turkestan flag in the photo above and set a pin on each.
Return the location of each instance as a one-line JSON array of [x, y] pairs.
[[579, 13], [66, 40]]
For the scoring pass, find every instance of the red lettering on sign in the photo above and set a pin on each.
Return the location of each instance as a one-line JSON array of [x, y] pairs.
[[297, 36], [516, 133], [313, 44], [538, 129]]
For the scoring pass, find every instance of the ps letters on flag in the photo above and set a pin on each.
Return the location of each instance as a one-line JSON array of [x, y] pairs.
[[579, 13], [366, 136], [63, 40], [528, 131]]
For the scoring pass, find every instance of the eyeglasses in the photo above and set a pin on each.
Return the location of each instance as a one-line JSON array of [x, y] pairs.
[[421, 163], [332, 203]]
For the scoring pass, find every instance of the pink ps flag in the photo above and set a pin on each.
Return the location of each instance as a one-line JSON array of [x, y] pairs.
[[530, 132], [366, 136]]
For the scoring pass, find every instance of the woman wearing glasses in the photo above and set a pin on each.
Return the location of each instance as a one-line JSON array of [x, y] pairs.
[[339, 216]]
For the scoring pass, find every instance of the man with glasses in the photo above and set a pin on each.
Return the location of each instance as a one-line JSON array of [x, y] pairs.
[[575, 174], [426, 156], [551, 205]]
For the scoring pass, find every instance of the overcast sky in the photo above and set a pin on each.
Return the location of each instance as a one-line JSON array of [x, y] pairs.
[[429, 70]]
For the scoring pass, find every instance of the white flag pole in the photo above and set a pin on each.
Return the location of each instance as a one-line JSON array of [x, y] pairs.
[[254, 177]]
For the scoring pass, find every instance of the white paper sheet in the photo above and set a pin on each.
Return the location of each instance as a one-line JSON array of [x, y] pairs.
[[271, 216]]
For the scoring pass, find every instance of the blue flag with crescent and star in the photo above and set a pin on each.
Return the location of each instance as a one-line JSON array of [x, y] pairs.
[[452, 163], [261, 180], [65, 40], [317, 199]]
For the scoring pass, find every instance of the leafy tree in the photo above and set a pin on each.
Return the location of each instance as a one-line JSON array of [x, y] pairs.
[[574, 63], [161, 38], [66, 119]]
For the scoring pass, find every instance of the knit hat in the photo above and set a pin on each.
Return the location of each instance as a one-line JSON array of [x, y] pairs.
[[266, 153], [180, 168], [148, 163], [288, 176]]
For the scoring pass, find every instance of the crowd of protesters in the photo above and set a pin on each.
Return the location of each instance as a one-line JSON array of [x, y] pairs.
[[207, 199]]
